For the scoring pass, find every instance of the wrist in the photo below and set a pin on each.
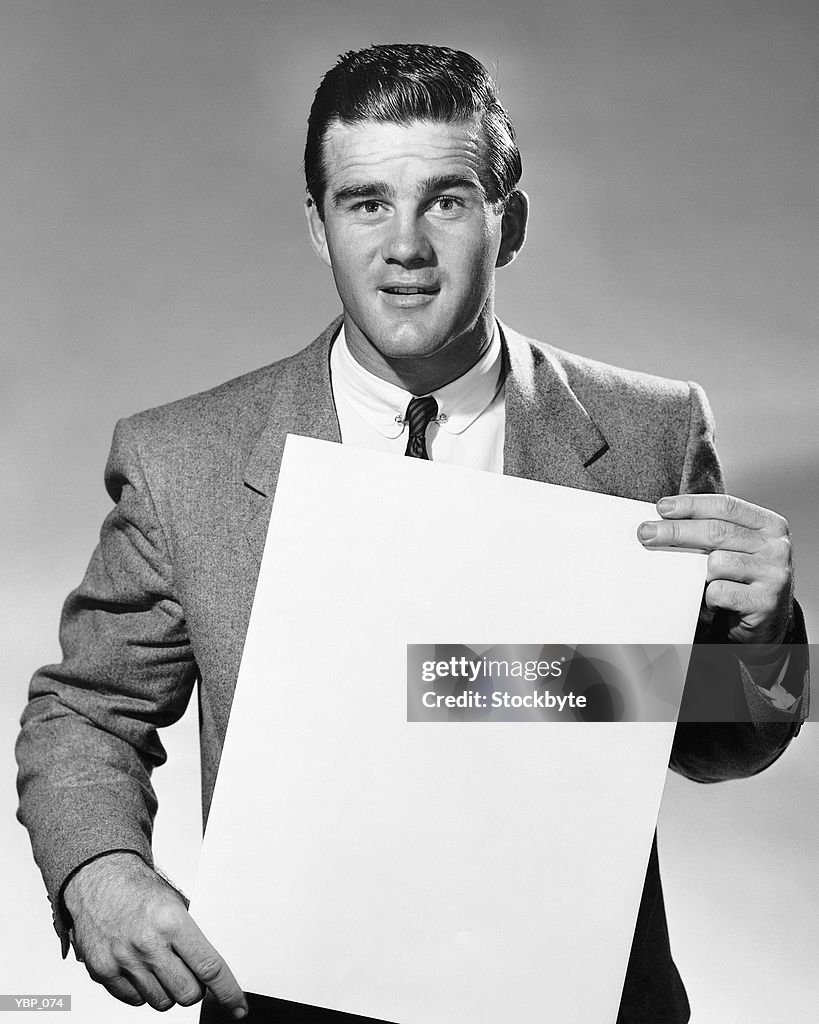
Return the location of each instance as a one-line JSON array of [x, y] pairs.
[[88, 877]]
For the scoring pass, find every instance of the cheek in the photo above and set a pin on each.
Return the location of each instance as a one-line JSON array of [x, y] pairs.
[[349, 267], [479, 251], [477, 265], [348, 253]]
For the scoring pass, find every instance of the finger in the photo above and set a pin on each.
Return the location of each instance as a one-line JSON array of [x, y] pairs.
[[122, 989], [700, 535], [153, 992], [751, 603], [210, 969], [738, 567], [721, 506], [180, 984]]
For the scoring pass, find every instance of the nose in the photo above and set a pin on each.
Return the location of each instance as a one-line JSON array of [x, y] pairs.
[[406, 242]]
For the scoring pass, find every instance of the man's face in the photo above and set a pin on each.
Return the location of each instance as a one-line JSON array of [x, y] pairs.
[[409, 233]]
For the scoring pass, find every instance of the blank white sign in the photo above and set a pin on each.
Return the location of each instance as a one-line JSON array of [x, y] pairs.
[[435, 873]]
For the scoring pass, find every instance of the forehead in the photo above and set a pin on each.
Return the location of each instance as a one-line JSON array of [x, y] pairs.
[[373, 151]]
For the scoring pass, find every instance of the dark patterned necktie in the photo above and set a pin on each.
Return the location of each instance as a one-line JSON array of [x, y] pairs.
[[419, 413]]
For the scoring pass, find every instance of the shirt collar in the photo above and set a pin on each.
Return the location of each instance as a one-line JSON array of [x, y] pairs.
[[383, 404]]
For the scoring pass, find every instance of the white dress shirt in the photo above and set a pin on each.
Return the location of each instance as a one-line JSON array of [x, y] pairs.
[[468, 430]]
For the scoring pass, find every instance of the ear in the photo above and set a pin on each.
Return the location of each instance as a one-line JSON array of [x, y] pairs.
[[315, 228], [513, 227]]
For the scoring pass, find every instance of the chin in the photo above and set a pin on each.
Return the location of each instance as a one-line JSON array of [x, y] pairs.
[[410, 350], [402, 343]]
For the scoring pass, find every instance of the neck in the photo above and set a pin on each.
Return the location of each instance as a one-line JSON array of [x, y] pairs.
[[422, 374]]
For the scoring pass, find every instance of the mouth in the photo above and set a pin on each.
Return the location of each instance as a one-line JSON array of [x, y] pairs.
[[408, 296], [401, 289]]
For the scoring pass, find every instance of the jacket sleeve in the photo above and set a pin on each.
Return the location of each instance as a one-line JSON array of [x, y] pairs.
[[747, 735], [88, 741]]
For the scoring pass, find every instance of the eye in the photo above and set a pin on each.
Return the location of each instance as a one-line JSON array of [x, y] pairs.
[[368, 206], [446, 205]]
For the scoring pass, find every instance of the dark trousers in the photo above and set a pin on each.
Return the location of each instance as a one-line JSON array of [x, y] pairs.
[[266, 1010]]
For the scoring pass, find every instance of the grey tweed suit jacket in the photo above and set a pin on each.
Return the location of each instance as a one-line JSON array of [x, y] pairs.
[[168, 592]]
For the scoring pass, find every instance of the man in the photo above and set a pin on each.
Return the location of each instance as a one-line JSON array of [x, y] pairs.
[[412, 171]]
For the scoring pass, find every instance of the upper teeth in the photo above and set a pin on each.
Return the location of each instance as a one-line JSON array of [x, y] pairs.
[[405, 291]]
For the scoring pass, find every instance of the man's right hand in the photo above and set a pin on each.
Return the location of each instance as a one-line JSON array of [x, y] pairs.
[[134, 934]]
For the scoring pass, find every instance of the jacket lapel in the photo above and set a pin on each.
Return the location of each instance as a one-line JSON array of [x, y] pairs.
[[301, 402], [549, 434]]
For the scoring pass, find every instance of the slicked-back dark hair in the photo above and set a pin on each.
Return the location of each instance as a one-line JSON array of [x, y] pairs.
[[404, 82]]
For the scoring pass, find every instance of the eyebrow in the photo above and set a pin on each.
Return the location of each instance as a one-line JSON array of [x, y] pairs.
[[443, 182], [381, 190], [378, 189]]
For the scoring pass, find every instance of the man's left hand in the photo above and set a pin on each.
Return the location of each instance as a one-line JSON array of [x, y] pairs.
[[750, 572]]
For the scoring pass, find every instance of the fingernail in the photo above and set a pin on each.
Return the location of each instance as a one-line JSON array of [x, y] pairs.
[[666, 505], [647, 531], [239, 1012]]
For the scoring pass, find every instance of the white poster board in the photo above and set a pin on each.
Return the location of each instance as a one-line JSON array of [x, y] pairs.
[[434, 873]]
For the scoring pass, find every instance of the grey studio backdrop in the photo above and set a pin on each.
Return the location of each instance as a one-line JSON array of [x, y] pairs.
[[154, 246]]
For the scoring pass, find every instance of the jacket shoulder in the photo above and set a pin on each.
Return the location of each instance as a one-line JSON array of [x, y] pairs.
[[594, 377], [620, 399]]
